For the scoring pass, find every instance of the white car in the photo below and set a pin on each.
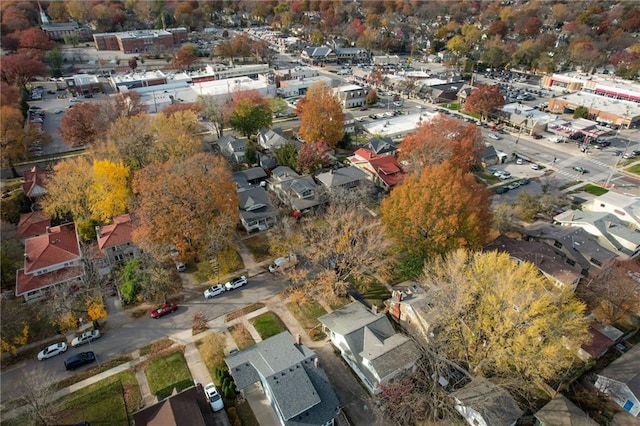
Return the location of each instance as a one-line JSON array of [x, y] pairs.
[[236, 283], [535, 166], [555, 139], [214, 291], [519, 161], [505, 175], [283, 262], [52, 350], [213, 396], [494, 136], [86, 337]]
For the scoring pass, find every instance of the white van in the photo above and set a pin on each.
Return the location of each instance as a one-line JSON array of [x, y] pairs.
[[283, 263]]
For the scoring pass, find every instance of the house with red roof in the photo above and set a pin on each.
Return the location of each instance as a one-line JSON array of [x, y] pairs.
[[33, 182], [382, 169], [50, 260], [116, 243], [32, 224]]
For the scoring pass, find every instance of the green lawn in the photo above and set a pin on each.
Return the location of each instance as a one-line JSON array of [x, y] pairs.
[[594, 189], [110, 398], [259, 246], [374, 291], [167, 373], [307, 315], [268, 324], [635, 169]]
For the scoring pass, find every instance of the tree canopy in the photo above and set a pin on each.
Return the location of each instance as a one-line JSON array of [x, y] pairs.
[[321, 116], [435, 211], [499, 317], [484, 99], [249, 112], [188, 202]]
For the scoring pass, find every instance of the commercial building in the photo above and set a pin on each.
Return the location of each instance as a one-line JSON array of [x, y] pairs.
[[141, 41], [352, 95], [617, 113]]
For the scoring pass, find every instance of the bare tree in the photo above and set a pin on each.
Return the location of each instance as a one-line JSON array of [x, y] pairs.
[[36, 386]]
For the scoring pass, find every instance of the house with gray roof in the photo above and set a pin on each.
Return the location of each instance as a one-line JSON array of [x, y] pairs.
[[290, 377], [621, 381], [233, 148], [298, 192], [580, 249], [626, 208], [272, 139], [610, 232], [483, 403], [315, 55], [256, 211], [370, 345], [344, 178], [562, 412], [381, 146], [251, 176], [550, 264]]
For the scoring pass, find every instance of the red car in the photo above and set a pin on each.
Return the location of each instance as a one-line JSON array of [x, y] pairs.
[[163, 310]]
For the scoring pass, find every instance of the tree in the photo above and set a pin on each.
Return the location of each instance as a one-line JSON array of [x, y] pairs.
[[35, 42], [185, 202], [36, 385], [186, 56], [55, 59], [581, 112], [133, 63], [279, 106], [434, 212], [372, 97], [287, 156], [175, 136], [502, 318], [129, 140], [249, 112], [483, 100], [321, 116], [181, 106], [12, 137], [213, 112], [109, 193], [18, 69], [78, 126], [443, 139], [313, 156]]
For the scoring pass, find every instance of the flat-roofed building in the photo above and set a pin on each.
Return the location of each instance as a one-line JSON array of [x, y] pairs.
[[134, 80], [140, 41], [352, 95]]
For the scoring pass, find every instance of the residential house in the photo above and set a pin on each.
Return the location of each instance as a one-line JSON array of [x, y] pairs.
[[318, 55], [33, 181], [351, 55], [251, 176], [443, 92], [383, 170], [562, 412], [550, 264], [482, 403], [272, 139], [597, 346], [370, 345], [381, 146], [256, 211], [621, 381], [187, 408], [579, 248], [349, 124], [52, 259], [291, 378], [115, 242], [32, 224], [351, 95], [626, 208], [233, 148], [409, 306], [610, 232], [298, 192], [344, 178]]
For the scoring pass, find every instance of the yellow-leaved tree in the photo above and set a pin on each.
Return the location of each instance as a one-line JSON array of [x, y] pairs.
[[96, 310], [109, 192], [321, 116], [502, 318]]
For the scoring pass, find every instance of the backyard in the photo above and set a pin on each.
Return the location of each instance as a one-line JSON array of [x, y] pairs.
[[268, 324], [166, 373]]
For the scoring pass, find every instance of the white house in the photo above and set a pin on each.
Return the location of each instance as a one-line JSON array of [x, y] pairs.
[[482, 403], [626, 208], [621, 381]]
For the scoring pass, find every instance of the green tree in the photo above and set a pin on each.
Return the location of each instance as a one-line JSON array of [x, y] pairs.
[[55, 62], [288, 156], [250, 112], [581, 112], [502, 318]]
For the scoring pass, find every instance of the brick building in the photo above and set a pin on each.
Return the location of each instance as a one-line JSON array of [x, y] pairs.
[[141, 41]]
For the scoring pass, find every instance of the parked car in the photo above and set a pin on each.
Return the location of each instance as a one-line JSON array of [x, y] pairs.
[[492, 170], [494, 136], [525, 181], [555, 139], [164, 309], [86, 337], [213, 396], [52, 351], [283, 262], [535, 166], [628, 155], [519, 161], [580, 169], [505, 175], [501, 190], [514, 185], [236, 283], [537, 136], [78, 360], [214, 291], [181, 267]]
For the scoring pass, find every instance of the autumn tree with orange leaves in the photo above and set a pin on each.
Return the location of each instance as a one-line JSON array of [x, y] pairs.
[[435, 211], [190, 203], [443, 139], [483, 100], [77, 127], [321, 116]]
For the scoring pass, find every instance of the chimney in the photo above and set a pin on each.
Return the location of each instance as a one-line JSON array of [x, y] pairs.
[[47, 229], [98, 233], [26, 257], [316, 362], [397, 296], [374, 309], [298, 340]]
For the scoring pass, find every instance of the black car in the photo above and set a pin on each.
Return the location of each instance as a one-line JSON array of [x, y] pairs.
[[78, 360], [525, 181], [501, 190]]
